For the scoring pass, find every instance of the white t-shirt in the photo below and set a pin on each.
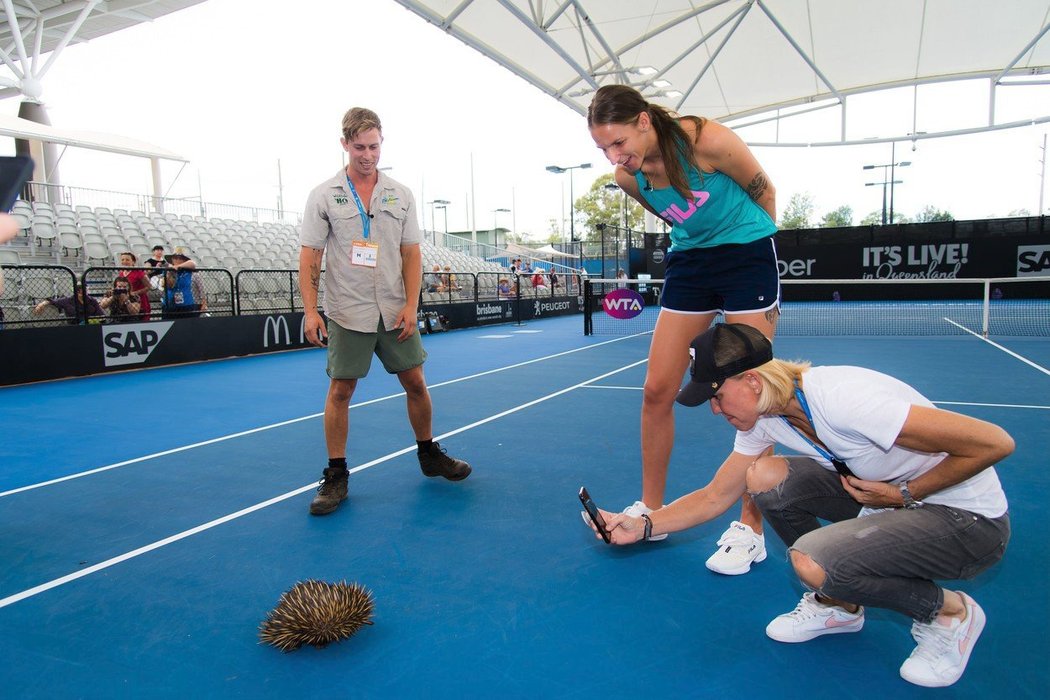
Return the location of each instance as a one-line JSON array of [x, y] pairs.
[[857, 414]]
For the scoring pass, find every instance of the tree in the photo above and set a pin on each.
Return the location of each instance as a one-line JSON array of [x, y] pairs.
[[1020, 212], [872, 219], [604, 205], [843, 216], [798, 211], [931, 213]]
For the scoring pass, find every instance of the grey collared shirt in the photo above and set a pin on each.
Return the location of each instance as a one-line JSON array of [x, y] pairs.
[[356, 297]]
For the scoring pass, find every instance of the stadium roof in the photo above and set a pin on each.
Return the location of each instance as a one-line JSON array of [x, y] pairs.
[[48, 26], [112, 143], [737, 59]]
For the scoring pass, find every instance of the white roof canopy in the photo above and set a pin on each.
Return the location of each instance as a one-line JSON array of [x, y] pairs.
[[29, 130], [735, 59]]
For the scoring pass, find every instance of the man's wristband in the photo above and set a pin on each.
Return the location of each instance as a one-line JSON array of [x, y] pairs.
[[648, 527]]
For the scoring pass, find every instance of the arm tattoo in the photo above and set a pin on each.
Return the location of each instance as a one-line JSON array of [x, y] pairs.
[[757, 187], [315, 276]]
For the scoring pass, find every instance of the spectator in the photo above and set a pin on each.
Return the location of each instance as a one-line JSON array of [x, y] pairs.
[[179, 300], [554, 279], [121, 302], [524, 266], [515, 266], [73, 306], [434, 281], [157, 261], [137, 282], [621, 275], [539, 282], [450, 280], [503, 289]]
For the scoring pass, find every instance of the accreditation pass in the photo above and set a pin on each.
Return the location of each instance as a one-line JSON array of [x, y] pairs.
[[364, 253]]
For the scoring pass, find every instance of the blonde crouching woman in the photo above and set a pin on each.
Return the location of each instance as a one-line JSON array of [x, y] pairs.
[[909, 489]]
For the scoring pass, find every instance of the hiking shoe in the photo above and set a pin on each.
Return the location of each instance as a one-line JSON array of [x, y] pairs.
[[635, 510], [331, 491], [737, 548], [943, 650], [436, 462], [811, 619]]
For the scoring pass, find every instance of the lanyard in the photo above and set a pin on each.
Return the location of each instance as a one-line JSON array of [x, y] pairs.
[[366, 222], [839, 465]]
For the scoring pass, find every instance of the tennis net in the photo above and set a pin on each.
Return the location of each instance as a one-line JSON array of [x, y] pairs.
[[989, 307]]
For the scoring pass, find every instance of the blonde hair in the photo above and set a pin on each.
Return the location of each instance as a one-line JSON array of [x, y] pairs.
[[778, 383], [358, 119]]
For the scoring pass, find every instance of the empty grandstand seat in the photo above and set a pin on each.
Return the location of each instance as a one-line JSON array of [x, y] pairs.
[[96, 253], [70, 242], [44, 230], [9, 256]]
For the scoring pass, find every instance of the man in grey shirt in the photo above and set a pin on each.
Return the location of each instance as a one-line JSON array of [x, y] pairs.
[[366, 223]]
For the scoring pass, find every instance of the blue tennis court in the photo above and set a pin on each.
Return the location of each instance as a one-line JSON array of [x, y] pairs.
[[151, 519]]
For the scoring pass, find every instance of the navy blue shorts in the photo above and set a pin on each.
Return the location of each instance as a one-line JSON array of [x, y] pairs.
[[731, 279]]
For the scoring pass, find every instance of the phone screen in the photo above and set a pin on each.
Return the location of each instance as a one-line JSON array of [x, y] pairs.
[[14, 171], [592, 511]]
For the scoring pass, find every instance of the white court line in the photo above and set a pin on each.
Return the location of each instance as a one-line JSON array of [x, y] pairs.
[[612, 386], [54, 583], [231, 436], [1025, 360]]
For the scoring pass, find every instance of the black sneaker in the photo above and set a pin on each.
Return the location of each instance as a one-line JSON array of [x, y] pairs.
[[331, 492], [437, 463]]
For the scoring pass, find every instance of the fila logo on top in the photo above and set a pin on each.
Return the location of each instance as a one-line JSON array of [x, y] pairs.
[[132, 343]]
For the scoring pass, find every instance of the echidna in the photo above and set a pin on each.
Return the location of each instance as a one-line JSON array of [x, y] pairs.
[[318, 613]]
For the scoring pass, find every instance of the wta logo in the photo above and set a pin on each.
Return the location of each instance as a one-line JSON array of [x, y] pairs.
[[623, 303]]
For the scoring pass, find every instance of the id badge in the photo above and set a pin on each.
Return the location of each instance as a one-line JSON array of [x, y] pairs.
[[364, 254], [178, 298]]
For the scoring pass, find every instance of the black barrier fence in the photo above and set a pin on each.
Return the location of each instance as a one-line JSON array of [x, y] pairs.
[[26, 287], [42, 295], [486, 286]]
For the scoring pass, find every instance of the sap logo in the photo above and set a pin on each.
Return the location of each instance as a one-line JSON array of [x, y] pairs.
[[132, 344], [1033, 261], [623, 303]]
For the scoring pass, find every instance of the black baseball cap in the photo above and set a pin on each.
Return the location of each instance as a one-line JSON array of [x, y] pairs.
[[722, 351]]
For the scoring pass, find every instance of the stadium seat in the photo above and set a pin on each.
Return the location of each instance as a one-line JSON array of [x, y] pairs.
[[96, 254], [9, 256], [44, 230]]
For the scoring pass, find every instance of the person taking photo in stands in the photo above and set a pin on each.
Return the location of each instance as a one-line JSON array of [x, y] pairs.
[[910, 491], [123, 306], [367, 223], [700, 178]]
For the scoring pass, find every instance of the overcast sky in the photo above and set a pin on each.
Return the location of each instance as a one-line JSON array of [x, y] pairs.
[[234, 88]]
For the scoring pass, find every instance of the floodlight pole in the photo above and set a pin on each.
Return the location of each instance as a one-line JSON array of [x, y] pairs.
[[557, 169], [892, 165]]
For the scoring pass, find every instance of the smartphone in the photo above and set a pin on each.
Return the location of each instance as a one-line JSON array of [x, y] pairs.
[[596, 517], [14, 171]]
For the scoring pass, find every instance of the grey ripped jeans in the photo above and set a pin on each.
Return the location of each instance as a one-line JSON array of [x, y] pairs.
[[886, 559]]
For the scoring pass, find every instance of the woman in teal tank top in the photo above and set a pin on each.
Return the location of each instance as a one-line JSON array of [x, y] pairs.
[[700, 178]]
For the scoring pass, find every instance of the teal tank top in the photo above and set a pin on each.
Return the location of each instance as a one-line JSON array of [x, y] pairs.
[[721, 211]]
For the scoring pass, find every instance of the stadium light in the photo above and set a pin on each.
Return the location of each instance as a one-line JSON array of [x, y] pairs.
[[558, 170], [892, 165]]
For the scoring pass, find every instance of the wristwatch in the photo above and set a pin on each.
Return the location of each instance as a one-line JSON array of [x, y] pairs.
[[909, 500]]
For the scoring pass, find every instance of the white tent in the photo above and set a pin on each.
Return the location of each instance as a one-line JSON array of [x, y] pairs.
[[553, 252]]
